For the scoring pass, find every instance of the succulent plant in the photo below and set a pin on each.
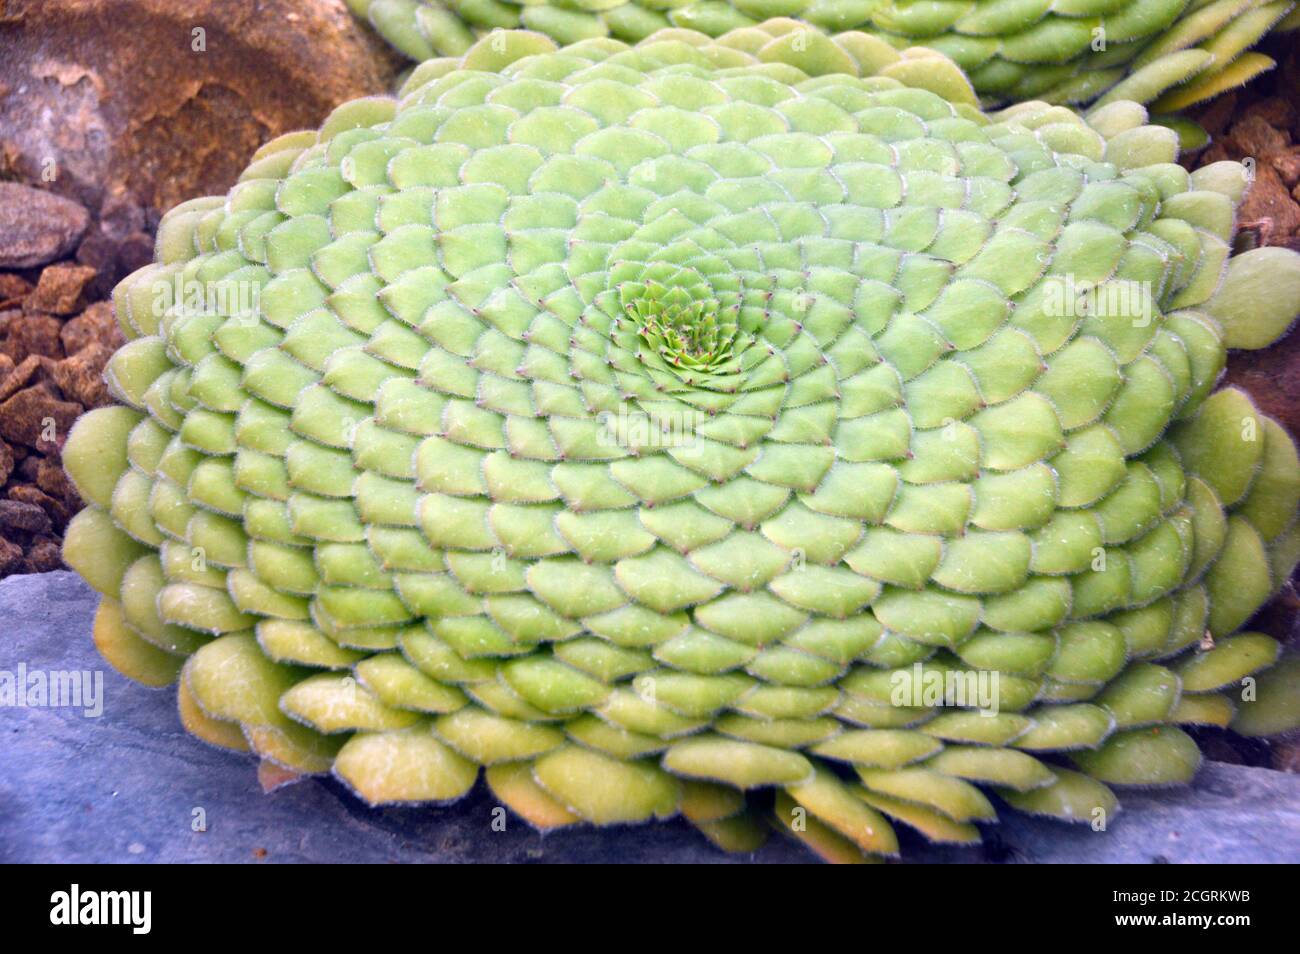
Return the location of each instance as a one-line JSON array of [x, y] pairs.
[[678, 428], [1173, 52]]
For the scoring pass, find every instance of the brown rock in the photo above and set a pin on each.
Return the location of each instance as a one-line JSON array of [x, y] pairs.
[[56, 510], [11, 556], [81, 377], [150, 102], [1287, 166], [1275, 111], [29, 468], [99, 252], [31, 334], [36, 227], [94, 325], [1255, 137], [121, 216], [135, 252], [1272, 376], [6, 462], [54, 481], [59, 289], [22, 517], [13, 289], [33, 416], [1268, 201], [43, 557], [6, 366], [9, 319], [32, 371], [118, 245]]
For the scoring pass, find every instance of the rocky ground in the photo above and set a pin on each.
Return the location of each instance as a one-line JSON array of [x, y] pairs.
[[56, 333], [1261, 122]]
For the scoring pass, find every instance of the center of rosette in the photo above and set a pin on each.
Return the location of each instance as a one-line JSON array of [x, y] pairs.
[[679, 316]]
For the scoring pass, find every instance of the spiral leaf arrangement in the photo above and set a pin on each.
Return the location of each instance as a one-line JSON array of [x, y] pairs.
[[655, 427], [1171, 53]]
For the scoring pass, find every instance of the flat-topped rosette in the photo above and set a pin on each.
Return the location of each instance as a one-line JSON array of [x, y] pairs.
[[702, 426]]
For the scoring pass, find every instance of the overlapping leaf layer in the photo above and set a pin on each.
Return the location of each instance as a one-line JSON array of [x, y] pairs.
[[1061, 51], [661, 427]]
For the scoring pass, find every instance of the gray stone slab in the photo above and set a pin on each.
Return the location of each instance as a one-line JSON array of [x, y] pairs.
[[125, 786]]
